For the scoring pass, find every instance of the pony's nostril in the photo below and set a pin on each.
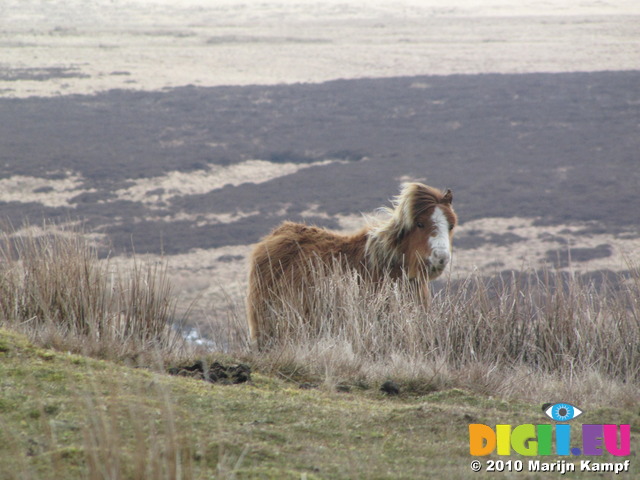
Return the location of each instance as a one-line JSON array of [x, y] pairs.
[[442, 261]]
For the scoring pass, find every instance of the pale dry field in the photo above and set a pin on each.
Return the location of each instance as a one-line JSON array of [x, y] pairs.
[[84, 46]]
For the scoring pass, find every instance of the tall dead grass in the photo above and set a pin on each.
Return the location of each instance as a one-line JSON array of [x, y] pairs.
[[525, 335], [513, 335], [54, 288]]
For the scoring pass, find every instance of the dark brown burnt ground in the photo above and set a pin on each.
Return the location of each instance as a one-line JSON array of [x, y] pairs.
[[214, 372], [558, 147]]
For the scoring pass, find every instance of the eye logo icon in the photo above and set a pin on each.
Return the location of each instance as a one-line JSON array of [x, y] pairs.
[[561, 412]]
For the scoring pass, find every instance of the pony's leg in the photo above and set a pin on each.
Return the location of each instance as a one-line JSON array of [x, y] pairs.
[[254, 328], [256, 310]]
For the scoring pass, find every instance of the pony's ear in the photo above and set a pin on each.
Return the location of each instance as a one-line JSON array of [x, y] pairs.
[[448, 197]]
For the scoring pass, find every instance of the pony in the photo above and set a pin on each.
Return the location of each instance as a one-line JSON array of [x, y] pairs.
[[412, 241]]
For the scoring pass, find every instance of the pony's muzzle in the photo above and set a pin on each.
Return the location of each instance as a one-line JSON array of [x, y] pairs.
[[439, 259]]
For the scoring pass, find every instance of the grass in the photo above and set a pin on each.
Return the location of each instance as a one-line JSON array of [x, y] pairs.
[[65, 416], [481, 352]]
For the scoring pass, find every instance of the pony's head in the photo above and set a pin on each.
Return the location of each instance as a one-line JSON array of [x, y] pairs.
[[417, 234]]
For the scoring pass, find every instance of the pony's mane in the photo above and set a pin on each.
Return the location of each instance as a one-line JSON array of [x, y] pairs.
[[389, 227]]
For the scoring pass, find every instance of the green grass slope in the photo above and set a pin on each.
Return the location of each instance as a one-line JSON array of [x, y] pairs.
[[64, 416]]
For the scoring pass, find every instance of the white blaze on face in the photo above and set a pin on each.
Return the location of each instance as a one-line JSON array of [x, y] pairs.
[[439, 241]]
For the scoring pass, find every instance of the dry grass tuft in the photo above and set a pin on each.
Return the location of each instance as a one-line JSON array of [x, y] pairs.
[[54, 288], [506, 336]]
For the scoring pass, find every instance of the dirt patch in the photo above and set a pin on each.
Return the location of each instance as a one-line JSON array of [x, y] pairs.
[[214, 373]]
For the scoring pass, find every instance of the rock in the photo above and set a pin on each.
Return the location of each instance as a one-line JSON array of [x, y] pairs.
[[390, 388]]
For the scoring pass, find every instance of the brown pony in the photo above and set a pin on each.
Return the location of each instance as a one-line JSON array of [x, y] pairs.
[[412, 242]]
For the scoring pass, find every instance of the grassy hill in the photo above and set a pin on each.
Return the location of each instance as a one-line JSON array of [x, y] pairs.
[[65, 416]]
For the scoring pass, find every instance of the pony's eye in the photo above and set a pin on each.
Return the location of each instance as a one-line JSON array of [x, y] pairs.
[[562, 412], [450, 226], [420, 225]]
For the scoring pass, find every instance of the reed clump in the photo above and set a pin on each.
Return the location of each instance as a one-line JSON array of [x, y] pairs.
[[56, 289]]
